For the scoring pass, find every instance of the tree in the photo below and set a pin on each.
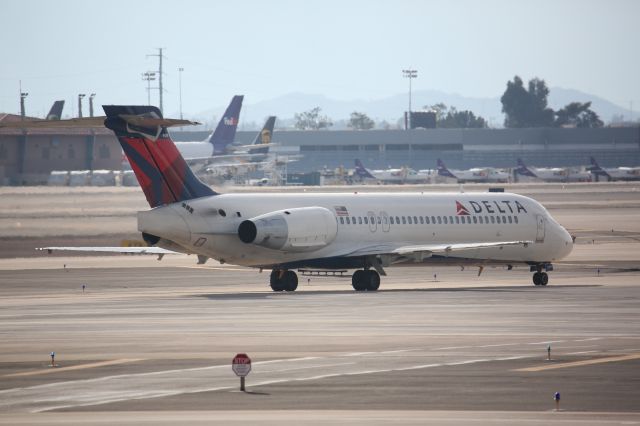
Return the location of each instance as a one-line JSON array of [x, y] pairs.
[[578, 114], [360, 121], [312, 120], [451, 118], [526, 108]]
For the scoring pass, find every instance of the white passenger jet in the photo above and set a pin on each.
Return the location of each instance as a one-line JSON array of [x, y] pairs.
[[285, 232]]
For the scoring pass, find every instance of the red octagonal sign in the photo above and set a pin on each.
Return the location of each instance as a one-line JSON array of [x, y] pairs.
[[241, 365]]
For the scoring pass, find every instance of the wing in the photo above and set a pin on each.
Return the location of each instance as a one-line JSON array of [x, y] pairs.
[[122, 250], [427, 250]]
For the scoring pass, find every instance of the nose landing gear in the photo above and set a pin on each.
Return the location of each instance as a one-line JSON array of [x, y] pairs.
[[540, 278]]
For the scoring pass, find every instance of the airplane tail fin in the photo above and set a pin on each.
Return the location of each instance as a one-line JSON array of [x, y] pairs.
[[362, 171], [523, 170], [264, 137], [55, 113], [443, 170], [161, 171], [225, 131]]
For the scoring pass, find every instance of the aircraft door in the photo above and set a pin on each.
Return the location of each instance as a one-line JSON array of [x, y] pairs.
[[373, 225], [540, 225], [385, 221]]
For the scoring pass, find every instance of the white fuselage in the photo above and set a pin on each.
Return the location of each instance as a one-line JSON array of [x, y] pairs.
[[375, 223]]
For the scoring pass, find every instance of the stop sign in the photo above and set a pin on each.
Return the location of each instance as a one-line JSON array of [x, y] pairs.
[[241, 365]]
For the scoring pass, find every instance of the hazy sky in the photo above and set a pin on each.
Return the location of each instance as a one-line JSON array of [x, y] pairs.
[[341, 49]]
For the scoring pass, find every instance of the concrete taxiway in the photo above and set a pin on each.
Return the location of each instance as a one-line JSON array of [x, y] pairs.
[[160, 338]]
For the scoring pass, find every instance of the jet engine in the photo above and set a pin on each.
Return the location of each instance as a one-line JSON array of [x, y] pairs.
[[292, 230]]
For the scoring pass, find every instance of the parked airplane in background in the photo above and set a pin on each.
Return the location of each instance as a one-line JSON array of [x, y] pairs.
[[223, 135], [478, 174], [402, 175], [614, 173], [555, 174], [288, 231], [55, 113]]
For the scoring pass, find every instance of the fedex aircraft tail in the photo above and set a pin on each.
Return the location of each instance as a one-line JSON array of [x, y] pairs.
[[596, 169], [443, 171], [225, 132], [362, 171], [55, 113], [264, 137], [160, 169], [523, 170]]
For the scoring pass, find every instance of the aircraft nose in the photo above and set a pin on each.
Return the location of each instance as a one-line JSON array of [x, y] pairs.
[[566, 242]]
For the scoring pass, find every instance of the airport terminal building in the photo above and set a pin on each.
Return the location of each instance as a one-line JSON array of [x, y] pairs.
[[27, 157]]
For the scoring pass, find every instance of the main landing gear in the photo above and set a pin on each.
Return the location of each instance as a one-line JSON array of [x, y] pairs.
[[283, 280], [365, 280]]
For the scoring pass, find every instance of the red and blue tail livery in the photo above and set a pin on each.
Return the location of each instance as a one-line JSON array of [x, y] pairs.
[[159, 167]]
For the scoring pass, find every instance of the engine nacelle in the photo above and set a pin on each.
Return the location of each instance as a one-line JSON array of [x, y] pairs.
[[298, 229]]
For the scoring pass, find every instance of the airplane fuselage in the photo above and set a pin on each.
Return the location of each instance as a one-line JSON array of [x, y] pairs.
[[331, 227]]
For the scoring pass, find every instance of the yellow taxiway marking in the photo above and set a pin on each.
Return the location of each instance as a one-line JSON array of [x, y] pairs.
[[76, 367], [581, 363]]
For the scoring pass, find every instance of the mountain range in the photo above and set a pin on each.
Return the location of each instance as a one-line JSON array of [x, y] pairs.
[[390, 109]]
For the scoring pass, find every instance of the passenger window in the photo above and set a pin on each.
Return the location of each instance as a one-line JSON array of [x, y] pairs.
[[366, 220], [515, 218], [421, 220], [409, 219], [426, 218], [385, 219], [404, 220], [451, 220], [457, 220], [433, 220], [493, 219], [341, 220], [391, 219], [348, 221], [510, 220], [486, 219], [439, 220], [445, 220], [475, 219], [379, 220], [397, 220], [504, 219], [359, 220], [415, 220]]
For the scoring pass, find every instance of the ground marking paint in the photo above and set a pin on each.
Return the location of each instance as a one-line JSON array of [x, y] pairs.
[[74, 367], [582, 363]]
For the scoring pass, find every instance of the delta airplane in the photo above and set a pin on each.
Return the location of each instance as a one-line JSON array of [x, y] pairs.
[[285, 232], [472, 175], [614, 173], [555, 174], [403, 175]]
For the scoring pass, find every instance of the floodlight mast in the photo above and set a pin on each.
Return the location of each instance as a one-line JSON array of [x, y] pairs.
[[410, 74]]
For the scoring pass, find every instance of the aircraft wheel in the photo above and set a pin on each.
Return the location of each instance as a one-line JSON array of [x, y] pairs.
[[290, 281], [358, 280], [372, 279], [537, 278], [277, 283], [544, 278]]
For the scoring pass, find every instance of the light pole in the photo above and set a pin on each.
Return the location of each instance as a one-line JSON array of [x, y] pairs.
[[80, 96], [148, 76], [93, 95], [410, 74], [23, 95], [180, 88]]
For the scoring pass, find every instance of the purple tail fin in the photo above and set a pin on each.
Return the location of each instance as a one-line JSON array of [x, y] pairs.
[[160, 169], [443, 171], [523, 170], [225, 132], [362, 171]]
